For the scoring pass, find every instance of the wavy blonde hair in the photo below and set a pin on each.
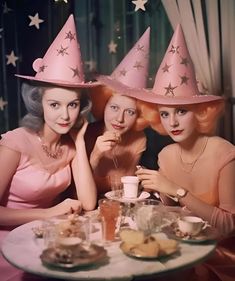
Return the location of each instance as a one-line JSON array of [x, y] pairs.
[[206, 114], [100, 96]]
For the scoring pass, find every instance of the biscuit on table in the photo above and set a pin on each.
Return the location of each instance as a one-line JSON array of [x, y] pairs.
[[132, 236]]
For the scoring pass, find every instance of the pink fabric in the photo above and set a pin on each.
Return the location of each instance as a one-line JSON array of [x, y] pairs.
[[128, 154], [37, 182], [203, 182]]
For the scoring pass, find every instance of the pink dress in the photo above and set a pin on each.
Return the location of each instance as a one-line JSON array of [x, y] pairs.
[[127, 155], [37, 183], [202, 181]]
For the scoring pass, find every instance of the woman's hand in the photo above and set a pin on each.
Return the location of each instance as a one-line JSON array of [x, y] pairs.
[[65, 207], [152, 179], [106, 142], [78, 135]]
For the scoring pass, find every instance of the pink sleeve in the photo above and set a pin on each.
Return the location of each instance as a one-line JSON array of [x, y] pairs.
[[12, 140]]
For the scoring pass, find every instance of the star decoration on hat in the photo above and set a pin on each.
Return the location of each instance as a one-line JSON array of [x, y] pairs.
[[112, 47], [166, 67], [140, 48], [184, 61], [12, 58], [184, 80], [35, 21], [123, 72], [70, 36], [42, 68], [62, 51], [174, 49], [75, 72], [139, 4], [138, 65], [2, 103], [169, 90]]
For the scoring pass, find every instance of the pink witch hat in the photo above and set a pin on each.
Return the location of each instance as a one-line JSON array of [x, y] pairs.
[[175, 81], [132, 72], [62, 64]]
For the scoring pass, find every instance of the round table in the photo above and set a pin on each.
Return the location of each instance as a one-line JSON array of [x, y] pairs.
[[23, 250]]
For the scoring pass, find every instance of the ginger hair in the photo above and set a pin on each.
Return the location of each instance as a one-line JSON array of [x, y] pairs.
[[206, 114]]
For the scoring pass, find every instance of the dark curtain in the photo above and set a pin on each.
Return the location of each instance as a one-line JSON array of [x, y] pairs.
[[98, 23]]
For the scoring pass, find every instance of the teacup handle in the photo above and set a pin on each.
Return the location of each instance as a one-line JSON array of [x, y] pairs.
[[205, 224]]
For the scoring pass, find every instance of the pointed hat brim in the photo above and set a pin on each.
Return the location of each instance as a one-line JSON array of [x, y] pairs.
[[118, 87], [151, 97], [61, 83]]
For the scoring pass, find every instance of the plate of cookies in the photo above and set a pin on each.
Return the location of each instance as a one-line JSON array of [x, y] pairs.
[[136, 244]]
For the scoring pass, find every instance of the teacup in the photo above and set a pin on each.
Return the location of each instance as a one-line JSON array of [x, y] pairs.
[[191, 225], [68, 242], [130, 186]]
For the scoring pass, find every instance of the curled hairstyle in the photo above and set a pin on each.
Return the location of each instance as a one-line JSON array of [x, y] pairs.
[[100, 96], [206, 114], [32, 97]]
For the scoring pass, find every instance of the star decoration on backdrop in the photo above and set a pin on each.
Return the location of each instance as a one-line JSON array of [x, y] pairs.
[[2, 103], [91, 65], [12, 58], [139, 4], [170, 90], [65, 1], [6, 9], [112, 47], [35, 20], [1, 30]]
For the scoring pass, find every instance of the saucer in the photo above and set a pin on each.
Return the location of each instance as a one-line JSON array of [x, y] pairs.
[[206, 235], [143, 195], [68, 259]]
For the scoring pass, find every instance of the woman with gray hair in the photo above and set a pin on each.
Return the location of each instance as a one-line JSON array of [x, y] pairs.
[[48, 152]]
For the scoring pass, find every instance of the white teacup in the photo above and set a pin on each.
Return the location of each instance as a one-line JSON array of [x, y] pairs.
[[69, 242], [191, 225], [130, 186]]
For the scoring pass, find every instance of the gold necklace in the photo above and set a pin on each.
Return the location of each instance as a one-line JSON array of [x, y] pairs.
[[188, 166], [55, 155]]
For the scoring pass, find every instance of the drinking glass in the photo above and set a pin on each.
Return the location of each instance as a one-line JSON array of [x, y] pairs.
[[148, 216], [116, 185], [110, 211]]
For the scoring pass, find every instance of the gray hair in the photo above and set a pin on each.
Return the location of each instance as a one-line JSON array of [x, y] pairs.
[[32, 97]]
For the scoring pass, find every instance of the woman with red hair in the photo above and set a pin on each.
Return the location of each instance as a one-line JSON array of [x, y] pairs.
[[197, 170], [116, 141]]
